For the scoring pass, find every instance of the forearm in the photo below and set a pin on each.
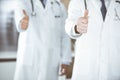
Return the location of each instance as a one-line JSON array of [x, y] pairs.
[[66, 50], [74, 12]]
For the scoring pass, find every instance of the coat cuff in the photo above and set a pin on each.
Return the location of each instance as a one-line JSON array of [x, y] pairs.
[[74, 33], [20, 29], [67, 62]]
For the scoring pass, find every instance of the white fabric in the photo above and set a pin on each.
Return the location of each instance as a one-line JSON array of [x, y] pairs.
[[44, 45], [98, 51]]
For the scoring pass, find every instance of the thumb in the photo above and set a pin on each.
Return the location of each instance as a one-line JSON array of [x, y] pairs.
[[24, 12], [86, 14]]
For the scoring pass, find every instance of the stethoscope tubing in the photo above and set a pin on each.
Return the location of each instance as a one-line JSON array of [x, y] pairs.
[[33, 11], [85, 3]]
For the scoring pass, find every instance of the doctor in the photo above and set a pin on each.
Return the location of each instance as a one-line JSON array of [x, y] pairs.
[[43, 43], [98, 40]]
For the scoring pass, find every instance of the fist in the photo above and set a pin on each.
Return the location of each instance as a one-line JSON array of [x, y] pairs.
[[25, 21], [64, 69], [82, 23]]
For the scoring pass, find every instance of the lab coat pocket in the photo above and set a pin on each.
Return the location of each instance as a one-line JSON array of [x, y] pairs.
[[57, 15], [56, 10], [28, 56]]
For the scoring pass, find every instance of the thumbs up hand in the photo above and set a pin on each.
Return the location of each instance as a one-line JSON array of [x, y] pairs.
[[82, 24], [25, 21]]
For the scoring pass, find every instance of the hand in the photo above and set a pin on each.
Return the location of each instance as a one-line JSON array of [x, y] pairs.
[[25, 21], [82, 23], [64, 69]]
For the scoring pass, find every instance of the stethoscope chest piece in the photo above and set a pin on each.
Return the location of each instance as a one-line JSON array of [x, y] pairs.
[[33, 13]]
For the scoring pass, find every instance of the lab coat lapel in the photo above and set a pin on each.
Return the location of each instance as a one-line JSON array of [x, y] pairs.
[[111, 8], [39, 4], [47, 5], [97, 5], [110, 11]]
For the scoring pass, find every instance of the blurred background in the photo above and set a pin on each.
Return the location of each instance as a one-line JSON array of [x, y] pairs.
[[9, 38]]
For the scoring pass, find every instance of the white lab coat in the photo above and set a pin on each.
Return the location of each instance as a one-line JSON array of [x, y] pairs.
[[98, 51], [44, 44]]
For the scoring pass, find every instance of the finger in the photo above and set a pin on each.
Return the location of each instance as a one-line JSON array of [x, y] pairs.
[[24, 27], [85, 21], [24, 21], [24, 12], [84, 25], [86, 14], [81, 25], [63, 72], [83, 30], [24, 24], [26, 18]]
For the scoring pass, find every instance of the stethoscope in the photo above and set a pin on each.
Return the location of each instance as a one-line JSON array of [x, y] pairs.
[[33, 13]]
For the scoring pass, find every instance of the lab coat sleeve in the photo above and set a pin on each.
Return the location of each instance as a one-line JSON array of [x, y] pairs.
[[20, 5], [66, 43], [74, 12]]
